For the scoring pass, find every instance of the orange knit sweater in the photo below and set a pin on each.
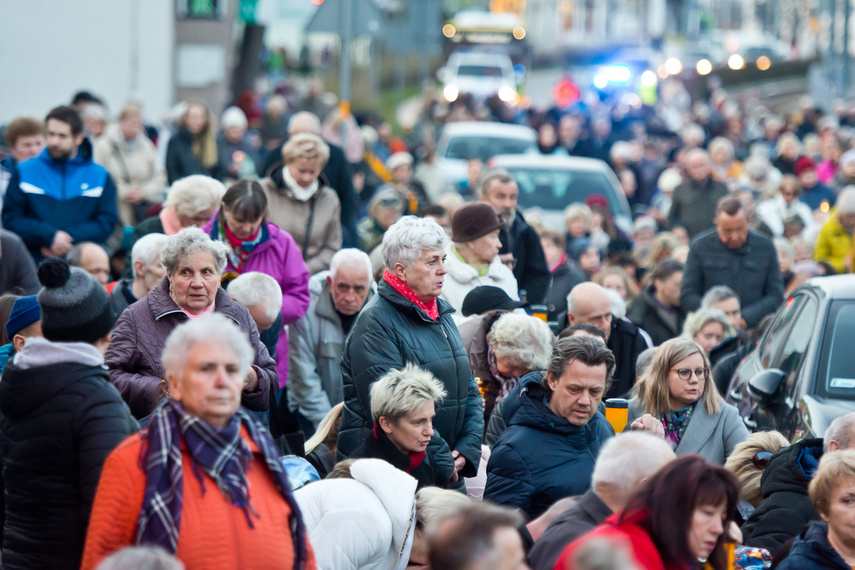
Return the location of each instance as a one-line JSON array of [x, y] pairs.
[[212, 534]]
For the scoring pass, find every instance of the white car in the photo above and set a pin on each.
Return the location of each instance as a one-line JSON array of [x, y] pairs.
[[481, 75], [463, 141]]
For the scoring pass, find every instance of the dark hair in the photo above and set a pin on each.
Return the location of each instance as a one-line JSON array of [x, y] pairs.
[[246, 200], [588, 351], [665, 269], [434, 210], [670, 498], [67, 115], [592, 330], [467, 535], [85, 97], [22, 127], [730, 205]]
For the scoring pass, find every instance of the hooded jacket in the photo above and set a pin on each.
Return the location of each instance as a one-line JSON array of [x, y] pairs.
[[786, 507], [812, 551], [59, 420], [462, 278], [364, 523], [46, 195], [541, 457]]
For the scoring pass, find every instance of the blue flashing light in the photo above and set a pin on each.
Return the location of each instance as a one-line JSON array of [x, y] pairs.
[[519, 70]]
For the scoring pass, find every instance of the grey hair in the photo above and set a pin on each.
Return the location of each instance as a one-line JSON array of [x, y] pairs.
[[253, 288], [74, 257], [588, 350], [194, 194], [351, 256], [500, 175], [629, 458], [694, 131], [621, 150], [141, 558], [617, 302], [210, 329], [722, 142], [643, 361], [839, 430], [406, 240], [846, 201], [784, 245], [400, 391], [644, 223], [702, 317], [147, 249], [525, 340], [309, 118], [575, 210], [187, 242], [432, 503], [717, 294]]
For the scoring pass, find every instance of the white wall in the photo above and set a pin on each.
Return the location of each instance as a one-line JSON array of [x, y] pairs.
[[49, 49]]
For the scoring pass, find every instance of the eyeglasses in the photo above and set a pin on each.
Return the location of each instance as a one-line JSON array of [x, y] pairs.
[[761, 459], [686, 373]]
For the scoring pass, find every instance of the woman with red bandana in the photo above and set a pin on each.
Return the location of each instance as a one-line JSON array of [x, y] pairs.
[[405, 323]]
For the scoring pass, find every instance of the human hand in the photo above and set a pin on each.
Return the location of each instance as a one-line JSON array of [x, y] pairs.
[[459, 461], [134, 196], [649, 424], [743, 325], [250, 383], [733, 533], [62, 243]]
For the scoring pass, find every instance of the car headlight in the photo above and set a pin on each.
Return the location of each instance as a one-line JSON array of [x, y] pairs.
[[507, 94], [451, 93]]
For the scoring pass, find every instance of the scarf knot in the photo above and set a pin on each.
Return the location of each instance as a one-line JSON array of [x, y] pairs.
[[675, 424]]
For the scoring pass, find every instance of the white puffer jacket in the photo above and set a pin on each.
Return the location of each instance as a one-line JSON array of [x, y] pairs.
[[362, 523], [462, 278]]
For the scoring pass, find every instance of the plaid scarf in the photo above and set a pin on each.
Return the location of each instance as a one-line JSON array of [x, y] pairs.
[[675, 424], [222, 454], [506, 385], [239, 250]]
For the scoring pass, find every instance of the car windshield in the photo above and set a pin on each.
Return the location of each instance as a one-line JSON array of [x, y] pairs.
[[480, 71], [555, 189], [485, 148], [836, 374]]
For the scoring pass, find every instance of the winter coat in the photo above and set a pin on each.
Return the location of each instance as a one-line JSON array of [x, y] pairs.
[[834, 245], [278, 257], [541, 457], [315, 224], [134, 355], [59, 420], [786, 508], [462, 278], [814, 197], [315, 347], [213, 532], [474, 334], [775, 211], [751, 270], [812, 551], [7, 351], [626, 342], [391, 332], [564, 278], [693, 206], [649, 314], [46, 195], [134, 165], [364, 523], [531, 270], [181, 162], [121, 296], [713, 436], [576, 521], [17, 269], [378, 446]]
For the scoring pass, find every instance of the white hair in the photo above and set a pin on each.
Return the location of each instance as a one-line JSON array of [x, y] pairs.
[[141, 558], [234, 117], [669, 180], [618, 303], [253, 288], [693, 131], [629, 458], [525, 340], [723, 143], [351, 257], [399, 392], [839, 430], [783, 244], [621, 150], [644, 223], [210, 329], [194, 194], [308, 118], [147, 249], [187, 242], [409, 237]]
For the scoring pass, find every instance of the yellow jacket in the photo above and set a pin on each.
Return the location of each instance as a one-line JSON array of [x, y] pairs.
[[834, 245]]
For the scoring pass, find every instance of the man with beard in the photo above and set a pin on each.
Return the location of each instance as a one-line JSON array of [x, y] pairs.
[[521, 247], [61, 197]]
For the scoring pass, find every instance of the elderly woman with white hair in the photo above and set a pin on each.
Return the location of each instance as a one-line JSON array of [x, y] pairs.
[[301, 201], [708, 327], [404, 323], [191, 288], [238, 155], [204, 482], [147, 272], [835, 244]]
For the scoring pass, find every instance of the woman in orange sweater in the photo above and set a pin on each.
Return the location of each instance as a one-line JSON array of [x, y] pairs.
[[204, 482]]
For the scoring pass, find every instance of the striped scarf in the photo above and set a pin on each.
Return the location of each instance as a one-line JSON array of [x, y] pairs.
[[221, 454]]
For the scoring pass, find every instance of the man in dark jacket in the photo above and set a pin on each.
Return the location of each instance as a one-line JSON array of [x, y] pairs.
[[60, 417], [657, 308], [17, 270], [520, 243], [694, 202], [733, 255], [61, 197], [406, 322], [554, 429]]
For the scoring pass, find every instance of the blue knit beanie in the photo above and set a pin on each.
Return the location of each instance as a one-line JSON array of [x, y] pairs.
[[25, 311]]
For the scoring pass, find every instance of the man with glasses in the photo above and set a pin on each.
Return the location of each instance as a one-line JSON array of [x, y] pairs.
[[732, 255]]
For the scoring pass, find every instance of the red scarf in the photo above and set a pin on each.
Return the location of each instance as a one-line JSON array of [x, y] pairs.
[[558, 263], [430, 307], [235, 241], [415, 458]]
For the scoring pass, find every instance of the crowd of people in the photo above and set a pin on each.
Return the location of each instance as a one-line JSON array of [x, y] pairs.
[[287, 340]]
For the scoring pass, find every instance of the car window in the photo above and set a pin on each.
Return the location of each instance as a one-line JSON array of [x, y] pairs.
[[776, 335], [557, 188], [796, 341], [480, 71], [836, 371], [485, 148]]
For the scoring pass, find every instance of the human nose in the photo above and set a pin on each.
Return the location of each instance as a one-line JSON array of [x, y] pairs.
[[717, 527], [584, 399], [440, 270]]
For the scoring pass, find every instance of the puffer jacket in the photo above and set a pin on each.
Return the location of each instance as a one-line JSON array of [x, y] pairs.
[[140, 335], [812, 551], [462, 278], [834, 245], [362, 523], [59, 420], [786, 508], [541, 457], [391, 332]]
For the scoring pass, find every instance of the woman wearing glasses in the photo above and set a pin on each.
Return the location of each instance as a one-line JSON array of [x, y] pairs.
[[678, 390]]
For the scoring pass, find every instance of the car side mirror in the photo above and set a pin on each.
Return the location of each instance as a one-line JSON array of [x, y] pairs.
[[764, 387]]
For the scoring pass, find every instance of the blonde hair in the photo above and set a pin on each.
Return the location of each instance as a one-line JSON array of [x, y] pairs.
[[308, 146], [204, 144], [576, 210], [741, 463], [399, 392], [833, 467], [702, 317], [432, 503], [653, 391], [327, 431]]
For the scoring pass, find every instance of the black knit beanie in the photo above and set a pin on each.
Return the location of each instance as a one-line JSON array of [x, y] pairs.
[[75, 307]]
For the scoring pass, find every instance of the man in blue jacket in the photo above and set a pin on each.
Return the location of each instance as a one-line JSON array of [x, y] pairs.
[[61, 197]]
